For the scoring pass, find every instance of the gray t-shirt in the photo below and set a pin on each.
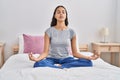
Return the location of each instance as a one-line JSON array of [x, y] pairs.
[[60, 41]]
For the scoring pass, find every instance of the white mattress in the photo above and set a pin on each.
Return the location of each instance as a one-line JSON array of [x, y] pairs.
[[19, 67]]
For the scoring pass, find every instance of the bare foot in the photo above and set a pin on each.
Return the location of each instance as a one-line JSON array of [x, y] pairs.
[[59, 65]]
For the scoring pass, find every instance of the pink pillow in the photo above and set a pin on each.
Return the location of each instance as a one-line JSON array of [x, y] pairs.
[[33, 44]]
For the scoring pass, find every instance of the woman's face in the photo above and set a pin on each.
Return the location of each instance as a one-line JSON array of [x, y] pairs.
[[60, 14]]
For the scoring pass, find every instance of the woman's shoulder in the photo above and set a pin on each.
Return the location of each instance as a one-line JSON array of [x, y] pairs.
[[70, 29], [50, 28]]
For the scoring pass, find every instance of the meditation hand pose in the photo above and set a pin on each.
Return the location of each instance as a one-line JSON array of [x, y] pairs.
[[57, 41]]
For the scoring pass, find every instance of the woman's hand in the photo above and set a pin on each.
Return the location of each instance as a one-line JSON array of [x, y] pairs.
[[93, 57], [97, 53], [31, 57]]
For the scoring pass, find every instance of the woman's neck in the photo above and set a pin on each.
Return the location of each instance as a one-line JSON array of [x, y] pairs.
[[61, 26]]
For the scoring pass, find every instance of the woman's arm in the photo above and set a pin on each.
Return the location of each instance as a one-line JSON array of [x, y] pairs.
[[45, 52], [76, 53]]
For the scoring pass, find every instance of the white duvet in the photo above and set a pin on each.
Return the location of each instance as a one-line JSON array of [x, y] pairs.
[[19, 67]]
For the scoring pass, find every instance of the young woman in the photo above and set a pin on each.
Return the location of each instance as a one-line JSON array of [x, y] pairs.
[[58, 38]]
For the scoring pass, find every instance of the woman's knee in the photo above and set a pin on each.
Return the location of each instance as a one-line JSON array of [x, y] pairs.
[[40, 63], [36, 64]]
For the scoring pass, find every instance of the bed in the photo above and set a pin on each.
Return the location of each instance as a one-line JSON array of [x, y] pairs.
[[19, 67]]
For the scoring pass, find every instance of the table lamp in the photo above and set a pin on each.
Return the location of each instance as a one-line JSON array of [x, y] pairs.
[[105, 33]]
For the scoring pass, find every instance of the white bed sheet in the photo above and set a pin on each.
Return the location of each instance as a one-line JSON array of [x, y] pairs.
[[19, 67]]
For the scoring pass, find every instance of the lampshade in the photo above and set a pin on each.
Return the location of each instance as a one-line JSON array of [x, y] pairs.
[[105, 31]]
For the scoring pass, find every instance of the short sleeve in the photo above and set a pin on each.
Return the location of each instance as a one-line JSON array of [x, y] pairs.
[[48, 32], [72, 33]]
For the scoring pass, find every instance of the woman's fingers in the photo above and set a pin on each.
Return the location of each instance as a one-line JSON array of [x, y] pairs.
[[95, 57], [97, 53], [30, 56]]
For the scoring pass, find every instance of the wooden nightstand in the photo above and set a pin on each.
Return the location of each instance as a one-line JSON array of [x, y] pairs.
[[108, 47], [1, 54], [15, 49]]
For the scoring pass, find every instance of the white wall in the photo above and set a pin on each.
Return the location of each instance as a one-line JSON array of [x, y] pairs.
[[118, 22], [117, 33], [87, 17]]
